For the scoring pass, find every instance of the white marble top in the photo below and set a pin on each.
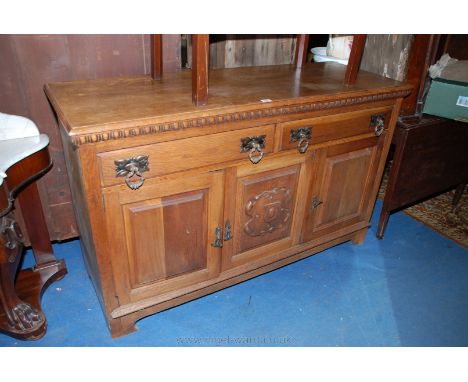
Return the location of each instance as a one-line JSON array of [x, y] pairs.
[[19, 138]]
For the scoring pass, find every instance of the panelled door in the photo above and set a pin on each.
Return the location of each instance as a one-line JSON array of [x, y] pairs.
[[262, 207], [164, 233], [341, 186]]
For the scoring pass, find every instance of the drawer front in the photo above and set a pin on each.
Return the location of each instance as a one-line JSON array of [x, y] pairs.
[[329, 128], [183, 154]]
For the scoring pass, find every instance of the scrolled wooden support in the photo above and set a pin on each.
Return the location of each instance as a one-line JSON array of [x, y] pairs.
[[22, 319], [21, 315]]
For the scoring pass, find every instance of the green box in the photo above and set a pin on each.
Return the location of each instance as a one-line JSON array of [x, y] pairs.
[[448, 99]]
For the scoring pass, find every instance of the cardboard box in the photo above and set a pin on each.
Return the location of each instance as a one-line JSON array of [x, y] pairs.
[[448, 98]]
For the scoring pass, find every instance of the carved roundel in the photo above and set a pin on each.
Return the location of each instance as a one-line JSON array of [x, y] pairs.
[[268, 211]]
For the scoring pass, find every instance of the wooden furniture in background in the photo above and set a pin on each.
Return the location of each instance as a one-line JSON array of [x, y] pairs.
[[430, 152], [21, 315], [430, 158], [176, 201]]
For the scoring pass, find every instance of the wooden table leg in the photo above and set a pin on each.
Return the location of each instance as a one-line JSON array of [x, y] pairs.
[[457, 196], [36, 225], [383, 220]]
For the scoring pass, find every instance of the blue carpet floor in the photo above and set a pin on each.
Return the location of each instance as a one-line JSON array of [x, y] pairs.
[[410, 289]]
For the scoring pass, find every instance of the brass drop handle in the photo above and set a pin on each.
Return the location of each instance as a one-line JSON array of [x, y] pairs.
[[227, 231], [253, 145], [218, 243], [302, 136], [134, 185], [378, 123], [303, 145], [131, 167], [315, 203], [255, 158]]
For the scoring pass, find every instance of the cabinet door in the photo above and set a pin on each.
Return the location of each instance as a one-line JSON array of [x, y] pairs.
[[262, 208], [161, 234], [341, 187]]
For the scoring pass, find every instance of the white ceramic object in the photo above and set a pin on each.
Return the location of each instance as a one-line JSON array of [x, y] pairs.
[[320, 55], [19, 138]]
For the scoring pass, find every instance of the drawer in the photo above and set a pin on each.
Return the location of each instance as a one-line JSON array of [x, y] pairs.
[[184, 154], [333, 127]]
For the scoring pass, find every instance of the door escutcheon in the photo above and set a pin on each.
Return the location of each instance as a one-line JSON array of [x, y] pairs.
[[227, 231], [315, 203], [218, 243]]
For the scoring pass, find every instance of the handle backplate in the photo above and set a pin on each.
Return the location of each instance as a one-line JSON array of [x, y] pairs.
[[132, 167]]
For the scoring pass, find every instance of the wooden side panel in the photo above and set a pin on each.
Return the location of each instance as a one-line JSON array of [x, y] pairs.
[[166, 237], [82, 213]]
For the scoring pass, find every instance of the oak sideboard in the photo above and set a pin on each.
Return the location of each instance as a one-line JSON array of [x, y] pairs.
[[174, 201]]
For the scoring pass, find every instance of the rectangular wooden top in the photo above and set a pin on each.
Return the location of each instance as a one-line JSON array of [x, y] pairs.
[[106, 104]]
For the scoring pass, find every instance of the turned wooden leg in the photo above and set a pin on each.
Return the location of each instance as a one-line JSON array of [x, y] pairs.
[[383, 220], [17, 317], [36, 225], [457, 196]]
